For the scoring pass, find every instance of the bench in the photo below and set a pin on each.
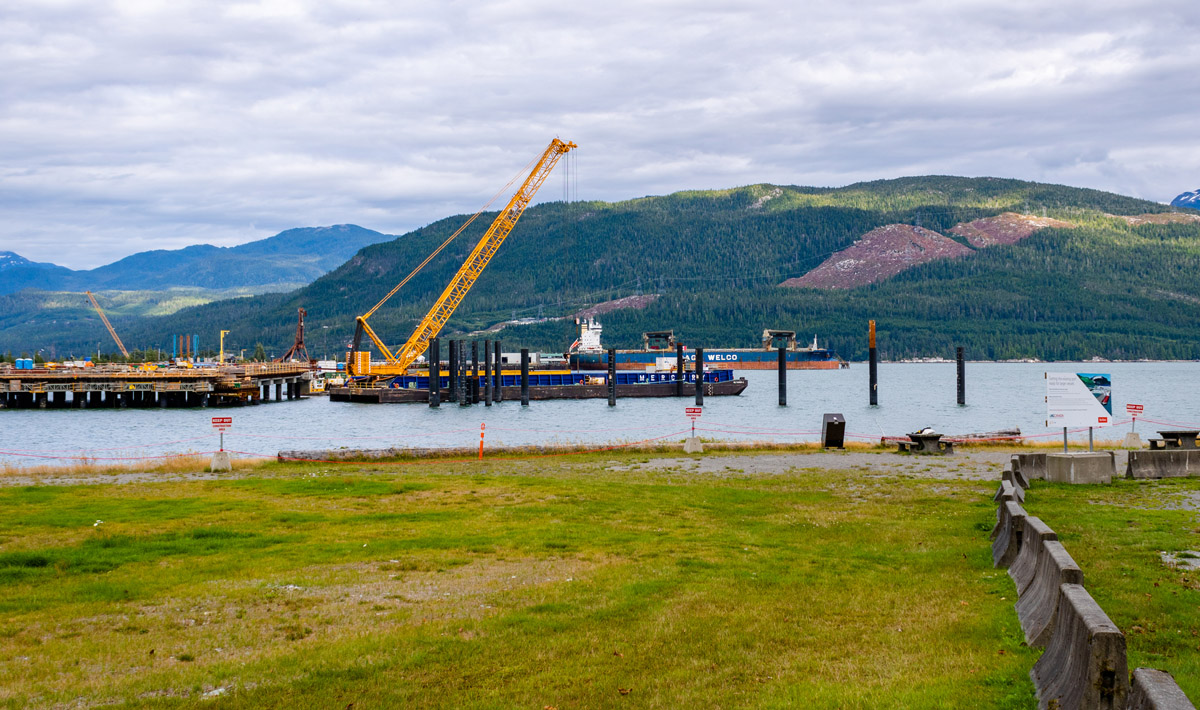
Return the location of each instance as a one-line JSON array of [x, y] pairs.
[[924, 444], [1175, 439]]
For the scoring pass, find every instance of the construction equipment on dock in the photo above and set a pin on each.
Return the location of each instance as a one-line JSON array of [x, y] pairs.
[[294, 353], [108, 325], [129, 386], [358, 362]]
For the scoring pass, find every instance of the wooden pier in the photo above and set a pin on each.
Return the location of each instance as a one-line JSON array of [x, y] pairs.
[[115, 386]]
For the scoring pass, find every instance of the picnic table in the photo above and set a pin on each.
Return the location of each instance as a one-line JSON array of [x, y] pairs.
[[1175, 439], [926, 444]]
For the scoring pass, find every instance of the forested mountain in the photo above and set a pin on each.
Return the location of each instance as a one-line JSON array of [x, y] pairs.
[[1106, 286], [288, 259]]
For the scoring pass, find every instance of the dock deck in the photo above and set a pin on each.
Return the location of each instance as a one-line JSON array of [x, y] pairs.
[[129, 386]]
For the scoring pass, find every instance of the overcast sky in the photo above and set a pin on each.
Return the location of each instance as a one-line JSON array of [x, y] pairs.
[[135, 125]]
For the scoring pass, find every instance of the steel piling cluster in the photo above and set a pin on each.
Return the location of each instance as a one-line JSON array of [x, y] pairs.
[[1084, 664]]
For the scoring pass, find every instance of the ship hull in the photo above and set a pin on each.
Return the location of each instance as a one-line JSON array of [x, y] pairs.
[[396, 395], [729, 359]]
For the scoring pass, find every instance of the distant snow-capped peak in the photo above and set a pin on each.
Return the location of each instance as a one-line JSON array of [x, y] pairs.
[[1187, 199]]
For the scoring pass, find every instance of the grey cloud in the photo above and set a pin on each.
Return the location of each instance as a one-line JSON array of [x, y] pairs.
[[126, 126]]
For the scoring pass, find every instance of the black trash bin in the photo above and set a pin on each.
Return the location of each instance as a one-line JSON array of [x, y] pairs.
[[833, 431]]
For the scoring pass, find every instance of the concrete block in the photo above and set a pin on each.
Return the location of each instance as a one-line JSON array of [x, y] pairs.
[[1033, 538], [1084, 666], [1036, 608], [1031, 466], [1007, 491], [692, 445], [1008, 540], [221, 462], [1092, 467], [1168, 463], [1013, 473], [1156, 690], [1132, 441]]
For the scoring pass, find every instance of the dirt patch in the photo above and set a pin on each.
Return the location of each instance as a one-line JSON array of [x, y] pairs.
[[881, 253], [620, 303], [1006, 228], [1186, 560], [1158, 218], [776, 192]]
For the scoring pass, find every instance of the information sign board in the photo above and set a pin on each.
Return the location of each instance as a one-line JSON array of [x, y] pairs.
[[1078, 399], [222, 423], [693, 413]]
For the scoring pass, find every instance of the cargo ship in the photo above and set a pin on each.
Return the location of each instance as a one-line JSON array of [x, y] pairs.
[[659, 352]]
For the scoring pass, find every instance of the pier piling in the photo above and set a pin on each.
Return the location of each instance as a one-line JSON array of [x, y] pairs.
[[873, 366], [612, 377], [487, 373], [452, 369], [496, 362], [524, 377], [699, 377], [464, 387], [962, 378], [782, 377], [474, 372], [679, 369], [435, 373]]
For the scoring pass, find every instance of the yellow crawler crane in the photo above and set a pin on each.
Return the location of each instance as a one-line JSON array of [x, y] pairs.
[[358, 362], [108, 325]]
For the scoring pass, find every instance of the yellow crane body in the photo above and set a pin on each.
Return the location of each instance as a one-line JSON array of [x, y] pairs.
[[108, 325], [358, 363]]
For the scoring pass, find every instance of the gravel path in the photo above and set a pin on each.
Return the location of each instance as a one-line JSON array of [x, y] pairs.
[[975, 465], [970, 465]]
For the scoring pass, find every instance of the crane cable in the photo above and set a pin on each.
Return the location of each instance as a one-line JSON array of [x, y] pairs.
[[449, 239]]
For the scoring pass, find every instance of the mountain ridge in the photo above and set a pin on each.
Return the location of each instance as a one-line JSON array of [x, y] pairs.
[[716, 259], [309, 251]]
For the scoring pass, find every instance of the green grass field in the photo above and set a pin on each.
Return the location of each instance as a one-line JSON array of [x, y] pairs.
[[584, 581]]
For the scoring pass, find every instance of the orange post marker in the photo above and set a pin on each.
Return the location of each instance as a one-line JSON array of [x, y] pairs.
[[481, 428]]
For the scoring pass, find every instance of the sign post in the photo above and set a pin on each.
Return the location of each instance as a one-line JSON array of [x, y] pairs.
[[1135, 411], [693, 413], [221, 424]]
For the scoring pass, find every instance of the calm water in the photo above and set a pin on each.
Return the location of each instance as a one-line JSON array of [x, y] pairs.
[[911, 396]]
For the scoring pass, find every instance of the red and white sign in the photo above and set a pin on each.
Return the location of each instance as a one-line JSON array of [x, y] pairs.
[[693, 413], [1134, 410], [222, 423]]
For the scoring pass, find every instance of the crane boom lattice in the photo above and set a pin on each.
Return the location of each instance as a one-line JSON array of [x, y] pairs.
[[108, 325], [466, 276]]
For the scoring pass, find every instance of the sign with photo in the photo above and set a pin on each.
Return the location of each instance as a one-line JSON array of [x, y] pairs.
[[1078, 399]]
